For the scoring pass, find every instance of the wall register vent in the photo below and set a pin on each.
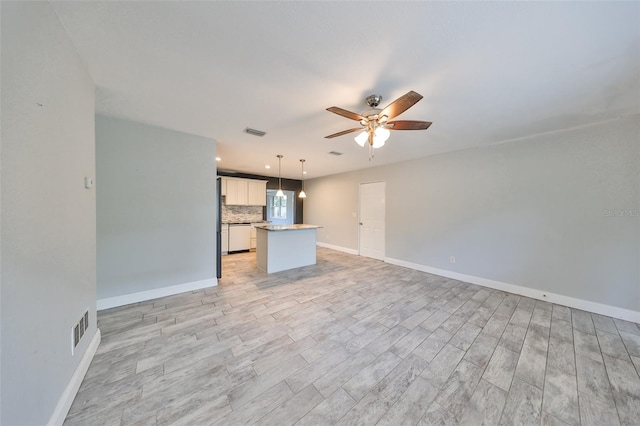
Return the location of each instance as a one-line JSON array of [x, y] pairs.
[[78, 329], [254, 132]]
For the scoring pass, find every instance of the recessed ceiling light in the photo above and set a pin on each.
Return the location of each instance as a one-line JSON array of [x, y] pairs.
[[267, 166], [218, 159], [304, 173]]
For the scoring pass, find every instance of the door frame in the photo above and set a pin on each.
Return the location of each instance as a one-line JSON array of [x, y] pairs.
[[384, 248]]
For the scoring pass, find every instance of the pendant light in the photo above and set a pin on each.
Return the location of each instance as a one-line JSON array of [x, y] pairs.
[[279, 193], [302, 194]]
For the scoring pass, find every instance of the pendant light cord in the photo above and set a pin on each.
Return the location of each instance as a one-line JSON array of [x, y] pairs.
[[279, 193], [280, 172]]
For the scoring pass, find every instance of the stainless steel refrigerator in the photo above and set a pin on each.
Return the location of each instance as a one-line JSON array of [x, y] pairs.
[[219, 228]]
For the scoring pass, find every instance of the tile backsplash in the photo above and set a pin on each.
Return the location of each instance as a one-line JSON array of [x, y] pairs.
[[233, 214]]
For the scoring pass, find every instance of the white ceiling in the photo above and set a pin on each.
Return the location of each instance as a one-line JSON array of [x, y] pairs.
[[489, 72]]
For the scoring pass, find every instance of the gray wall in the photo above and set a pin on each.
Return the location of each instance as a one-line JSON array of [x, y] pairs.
[[533, 213], [48, 263], [156, 207]]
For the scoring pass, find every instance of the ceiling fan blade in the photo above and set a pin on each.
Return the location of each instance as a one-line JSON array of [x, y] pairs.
[[400, 105], [345, 113], [344, 132], [408, 125]]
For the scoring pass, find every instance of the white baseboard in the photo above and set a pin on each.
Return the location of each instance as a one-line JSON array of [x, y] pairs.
[[141, 296], [69, 394], [337, 248], [572, 302]]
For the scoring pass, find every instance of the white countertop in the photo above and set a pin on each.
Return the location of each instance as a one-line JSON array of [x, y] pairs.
[[287, 227]]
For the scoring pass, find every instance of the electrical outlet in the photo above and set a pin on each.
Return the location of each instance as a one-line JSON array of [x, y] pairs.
[[452, 259]]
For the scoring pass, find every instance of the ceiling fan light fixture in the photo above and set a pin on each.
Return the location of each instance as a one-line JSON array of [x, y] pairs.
[[362, 138], [375, 121], [377, 143], [380, 137]]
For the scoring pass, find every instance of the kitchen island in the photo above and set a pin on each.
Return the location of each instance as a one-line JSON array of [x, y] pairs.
[[282, 247]]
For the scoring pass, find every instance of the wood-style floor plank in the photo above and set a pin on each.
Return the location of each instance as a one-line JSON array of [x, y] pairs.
[[353, 340]]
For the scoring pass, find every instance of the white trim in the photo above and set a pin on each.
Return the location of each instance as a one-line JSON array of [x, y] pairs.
[[585, 305], [337, 248], [126, 299], [69, 394]]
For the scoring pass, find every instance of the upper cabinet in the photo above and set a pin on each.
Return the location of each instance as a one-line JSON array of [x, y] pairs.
[[223, 186], [237, 192], [244, 192], [257, 193]]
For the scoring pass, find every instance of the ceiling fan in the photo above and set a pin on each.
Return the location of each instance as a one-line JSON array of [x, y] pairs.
[[374, 123]]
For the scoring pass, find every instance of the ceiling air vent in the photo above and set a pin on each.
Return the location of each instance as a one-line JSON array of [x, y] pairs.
[[254, 132], [335, 153]]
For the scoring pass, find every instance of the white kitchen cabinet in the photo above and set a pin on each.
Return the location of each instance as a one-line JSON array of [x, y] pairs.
[[237, 192], [257, 193], [252, 244], [225, 239], [244, 192], [223, 186]]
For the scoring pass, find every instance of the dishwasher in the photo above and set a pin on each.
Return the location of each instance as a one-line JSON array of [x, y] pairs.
[[239, 237]]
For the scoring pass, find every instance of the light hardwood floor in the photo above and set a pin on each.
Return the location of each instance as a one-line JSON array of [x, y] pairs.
[[356, 341]]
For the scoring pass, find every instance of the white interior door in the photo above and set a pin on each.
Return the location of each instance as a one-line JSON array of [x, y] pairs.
[[372, 218]]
